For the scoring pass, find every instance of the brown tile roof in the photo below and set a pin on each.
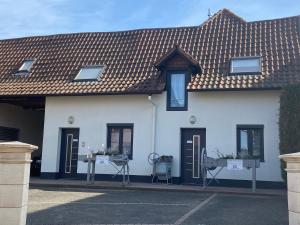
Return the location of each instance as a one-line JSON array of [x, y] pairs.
[[130, 57]]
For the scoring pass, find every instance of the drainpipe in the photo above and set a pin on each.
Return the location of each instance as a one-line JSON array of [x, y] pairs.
[[153, 144]]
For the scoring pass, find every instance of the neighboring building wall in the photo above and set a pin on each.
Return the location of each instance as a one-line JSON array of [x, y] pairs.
[[218, 112], [30, 124]]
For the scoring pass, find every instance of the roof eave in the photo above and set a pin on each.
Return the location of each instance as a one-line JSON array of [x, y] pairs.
[[235, 89]]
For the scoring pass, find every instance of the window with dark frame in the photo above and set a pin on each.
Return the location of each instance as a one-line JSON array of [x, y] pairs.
[[120, 138], [177, 91], [250, 141]]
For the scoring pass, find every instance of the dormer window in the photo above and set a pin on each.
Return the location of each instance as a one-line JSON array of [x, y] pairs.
[[26, 66], [176, 91], [245, 65], [177, 66], [89, 73]]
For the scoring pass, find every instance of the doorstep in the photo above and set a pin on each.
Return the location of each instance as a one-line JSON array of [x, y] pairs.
[[68, 183]]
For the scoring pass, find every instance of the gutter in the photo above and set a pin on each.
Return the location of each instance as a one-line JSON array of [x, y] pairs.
[[153, 144]]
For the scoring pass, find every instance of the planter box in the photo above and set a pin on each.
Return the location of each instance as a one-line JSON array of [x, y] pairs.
[[213, 163]]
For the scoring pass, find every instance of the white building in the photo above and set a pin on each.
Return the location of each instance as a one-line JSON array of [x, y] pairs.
[[171, 91]]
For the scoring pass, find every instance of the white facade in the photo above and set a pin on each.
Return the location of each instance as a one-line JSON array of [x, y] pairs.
[[218, 112]]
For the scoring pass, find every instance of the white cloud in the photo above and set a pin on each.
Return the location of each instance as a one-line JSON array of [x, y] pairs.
[[31, 17]]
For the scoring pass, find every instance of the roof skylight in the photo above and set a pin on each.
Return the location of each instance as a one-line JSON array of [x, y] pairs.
[[245, 65], [26, 66], [89, 73]]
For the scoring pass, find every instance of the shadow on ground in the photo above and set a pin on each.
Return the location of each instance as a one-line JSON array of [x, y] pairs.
[[77, 206]]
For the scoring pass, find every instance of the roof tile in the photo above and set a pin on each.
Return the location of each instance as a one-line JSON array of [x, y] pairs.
[[129, 57]]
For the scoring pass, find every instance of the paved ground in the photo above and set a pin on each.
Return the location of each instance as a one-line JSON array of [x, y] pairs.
[[77, 206], [69, 183]]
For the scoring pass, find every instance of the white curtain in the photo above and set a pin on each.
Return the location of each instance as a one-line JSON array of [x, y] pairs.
[[177, 90]]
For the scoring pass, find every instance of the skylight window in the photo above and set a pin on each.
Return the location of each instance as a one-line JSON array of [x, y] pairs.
[[89, 73], [245, 65], [26, 66]]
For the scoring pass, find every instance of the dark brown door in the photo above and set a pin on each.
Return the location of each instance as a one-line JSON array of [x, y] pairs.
[[69, 152], [192, 143]]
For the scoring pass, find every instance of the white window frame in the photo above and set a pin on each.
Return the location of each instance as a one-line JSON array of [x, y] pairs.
[[245, 58], [24, 61], [90, 67]]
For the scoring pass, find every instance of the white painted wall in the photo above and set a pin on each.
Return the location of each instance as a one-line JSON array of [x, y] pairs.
[[29, 122], [218, 112], [91, 114]]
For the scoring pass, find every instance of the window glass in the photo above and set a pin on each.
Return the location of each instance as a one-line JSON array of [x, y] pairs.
[[127, 141], [89, 73], [196, 156], [177, 95], [245, 65], [68, 162], [26, 65], [120, 139], [244, 142], [256, 142], [115, 140], [250, 142]]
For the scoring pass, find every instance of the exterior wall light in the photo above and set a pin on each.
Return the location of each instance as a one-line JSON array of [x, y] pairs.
[[193, 119], [71, 119]]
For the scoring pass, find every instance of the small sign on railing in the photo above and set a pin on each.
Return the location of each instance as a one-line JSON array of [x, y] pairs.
[[234, 164], [102, 159]]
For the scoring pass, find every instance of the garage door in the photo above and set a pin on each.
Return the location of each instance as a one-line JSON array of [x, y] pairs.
[[9, 134]]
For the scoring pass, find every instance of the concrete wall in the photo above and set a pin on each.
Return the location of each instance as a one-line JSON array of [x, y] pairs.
[[30, 124], [218, 112]]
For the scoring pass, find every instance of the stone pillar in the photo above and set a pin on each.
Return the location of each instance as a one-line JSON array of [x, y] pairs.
[[15, 158], [293, 183]]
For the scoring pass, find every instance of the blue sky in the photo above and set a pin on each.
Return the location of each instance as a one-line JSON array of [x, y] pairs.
[[40, 17]]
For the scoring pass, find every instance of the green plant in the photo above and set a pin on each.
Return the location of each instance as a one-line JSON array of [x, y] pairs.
[[227, 156], [231, 156], [289, 122], [222, 156], [246, 156]]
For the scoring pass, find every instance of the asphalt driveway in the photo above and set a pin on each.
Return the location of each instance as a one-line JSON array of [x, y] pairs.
[[78, 207]]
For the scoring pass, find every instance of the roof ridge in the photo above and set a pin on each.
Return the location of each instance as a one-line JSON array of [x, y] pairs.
[[275, 19], [221, 12], [233, 14], [98, 32], [225, 10]]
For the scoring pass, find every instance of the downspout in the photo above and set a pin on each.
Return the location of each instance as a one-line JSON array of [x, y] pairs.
[[153, 144]]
